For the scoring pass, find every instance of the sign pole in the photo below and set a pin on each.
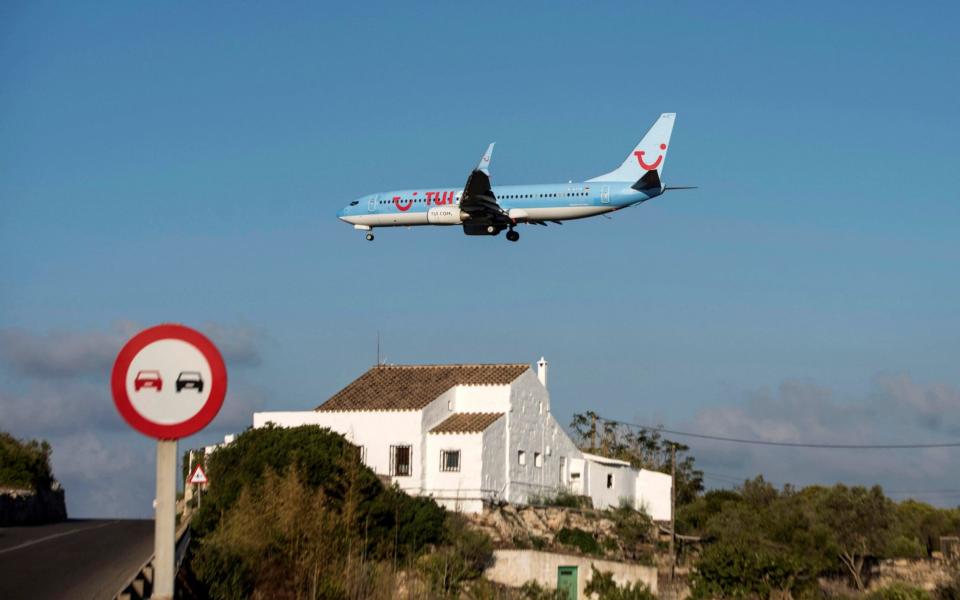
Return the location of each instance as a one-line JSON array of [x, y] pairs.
[[168, 382], [164, 543]]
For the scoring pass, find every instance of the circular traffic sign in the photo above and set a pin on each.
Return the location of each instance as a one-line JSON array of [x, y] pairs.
[[169, 382]]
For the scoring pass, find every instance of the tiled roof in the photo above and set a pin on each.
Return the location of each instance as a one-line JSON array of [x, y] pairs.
[[466, 423], [411, 387]]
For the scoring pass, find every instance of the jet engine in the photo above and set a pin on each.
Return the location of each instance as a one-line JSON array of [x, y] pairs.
[[446, 215]]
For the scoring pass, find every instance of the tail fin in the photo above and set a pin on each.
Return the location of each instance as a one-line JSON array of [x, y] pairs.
[[649, 155]]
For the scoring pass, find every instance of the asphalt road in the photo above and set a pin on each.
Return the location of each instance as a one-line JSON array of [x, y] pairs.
[[74, 559]]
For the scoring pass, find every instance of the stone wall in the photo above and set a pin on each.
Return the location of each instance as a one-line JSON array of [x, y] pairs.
[[29, 507], [926, 574], [515, 567]]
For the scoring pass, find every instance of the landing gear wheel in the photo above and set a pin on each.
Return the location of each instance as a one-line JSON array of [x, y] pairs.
[[513, 235], [492, 230], [369, 237]]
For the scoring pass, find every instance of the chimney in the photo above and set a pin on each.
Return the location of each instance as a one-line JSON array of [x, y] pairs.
[[542, 371]]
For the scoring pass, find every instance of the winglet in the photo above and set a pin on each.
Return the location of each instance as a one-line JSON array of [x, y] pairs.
[[484, 164]]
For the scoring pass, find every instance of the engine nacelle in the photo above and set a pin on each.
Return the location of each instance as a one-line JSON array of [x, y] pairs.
[[446, 215]]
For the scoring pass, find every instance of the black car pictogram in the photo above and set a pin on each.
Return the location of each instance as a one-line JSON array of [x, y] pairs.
[[190, 379]]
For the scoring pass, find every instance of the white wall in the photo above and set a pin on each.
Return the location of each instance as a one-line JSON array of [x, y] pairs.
[[374, 431], [482, 398], [494, 470], [515, 567], [653, 494], [533, 429], [624, 484], [455, 489]]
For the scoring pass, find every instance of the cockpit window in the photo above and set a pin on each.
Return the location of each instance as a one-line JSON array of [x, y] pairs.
[[354, 203]]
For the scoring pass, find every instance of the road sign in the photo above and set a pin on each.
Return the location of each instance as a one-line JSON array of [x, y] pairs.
[[169, 382], [198, 476]]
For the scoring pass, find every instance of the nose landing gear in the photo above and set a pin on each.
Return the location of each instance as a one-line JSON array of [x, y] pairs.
[[513, 235]]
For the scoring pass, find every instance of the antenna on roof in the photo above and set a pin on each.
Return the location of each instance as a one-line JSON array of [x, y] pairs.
[[379, 362]]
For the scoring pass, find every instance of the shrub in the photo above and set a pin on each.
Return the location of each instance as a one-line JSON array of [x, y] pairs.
[[24, 464], [898, 591], [293, 513], [580, 540], [633, 530], [739, 570], [464, 556], [604, 587], [561, 498], [532, 590]]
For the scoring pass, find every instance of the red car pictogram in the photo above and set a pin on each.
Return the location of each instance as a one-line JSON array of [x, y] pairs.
[[148, 379]]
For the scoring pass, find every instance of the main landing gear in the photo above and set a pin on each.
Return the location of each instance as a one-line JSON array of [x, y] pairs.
[[369, 237], [513, 235]]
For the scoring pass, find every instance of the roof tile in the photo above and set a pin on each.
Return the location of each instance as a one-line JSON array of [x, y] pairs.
[[412, 387], [466, 423]]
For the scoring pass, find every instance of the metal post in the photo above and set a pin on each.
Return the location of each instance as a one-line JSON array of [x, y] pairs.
[[164, 537], [673, 507]]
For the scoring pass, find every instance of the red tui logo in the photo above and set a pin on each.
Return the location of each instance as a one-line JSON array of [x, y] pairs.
[[639, 154], [401, 206]]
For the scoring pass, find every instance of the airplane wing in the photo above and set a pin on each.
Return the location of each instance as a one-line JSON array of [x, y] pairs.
[[478, 199]]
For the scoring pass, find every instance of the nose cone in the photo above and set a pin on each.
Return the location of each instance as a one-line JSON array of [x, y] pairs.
[[342, 213]]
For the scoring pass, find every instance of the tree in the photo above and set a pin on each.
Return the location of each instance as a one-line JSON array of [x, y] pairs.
[[859, 521], [24, 464]]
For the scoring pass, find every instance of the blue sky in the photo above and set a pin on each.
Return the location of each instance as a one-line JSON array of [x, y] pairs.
[[184, 163]]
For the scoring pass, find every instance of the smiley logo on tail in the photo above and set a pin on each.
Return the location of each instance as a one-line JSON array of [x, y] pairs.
[[649, 167]]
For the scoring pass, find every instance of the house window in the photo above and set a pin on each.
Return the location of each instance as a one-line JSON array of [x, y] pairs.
[[521, 457], [563, 464], [609, 480], [450, 405], [537, 459], [400, 460], [449, 460]]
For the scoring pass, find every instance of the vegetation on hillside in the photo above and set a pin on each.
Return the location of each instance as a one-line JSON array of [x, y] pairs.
[[293, 513], [762, 542], [24, 464]]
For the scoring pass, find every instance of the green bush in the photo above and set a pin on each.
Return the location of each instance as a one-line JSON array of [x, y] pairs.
[[562, 498], [463, 557], [745, 571], [532, 590], [603, 587], [633, 531], [24, 464], [294, 512], [898, 591], [580, 540]]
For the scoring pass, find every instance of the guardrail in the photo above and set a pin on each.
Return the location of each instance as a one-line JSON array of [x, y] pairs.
[[140, 586]]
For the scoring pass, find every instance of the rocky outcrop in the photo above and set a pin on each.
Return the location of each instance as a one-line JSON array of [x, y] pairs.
[[925, 574], [537, 527], [30, 507]]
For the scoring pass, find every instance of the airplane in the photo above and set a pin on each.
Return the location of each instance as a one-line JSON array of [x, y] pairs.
[[483, 209]]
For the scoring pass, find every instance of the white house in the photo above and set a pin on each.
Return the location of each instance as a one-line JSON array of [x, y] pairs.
[[470, 434]]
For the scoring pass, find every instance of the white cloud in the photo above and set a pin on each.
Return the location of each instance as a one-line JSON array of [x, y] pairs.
[[895, 411], [62, 394]]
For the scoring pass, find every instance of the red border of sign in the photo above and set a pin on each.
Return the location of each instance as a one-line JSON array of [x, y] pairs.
[[218, 385], [199, 468]]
